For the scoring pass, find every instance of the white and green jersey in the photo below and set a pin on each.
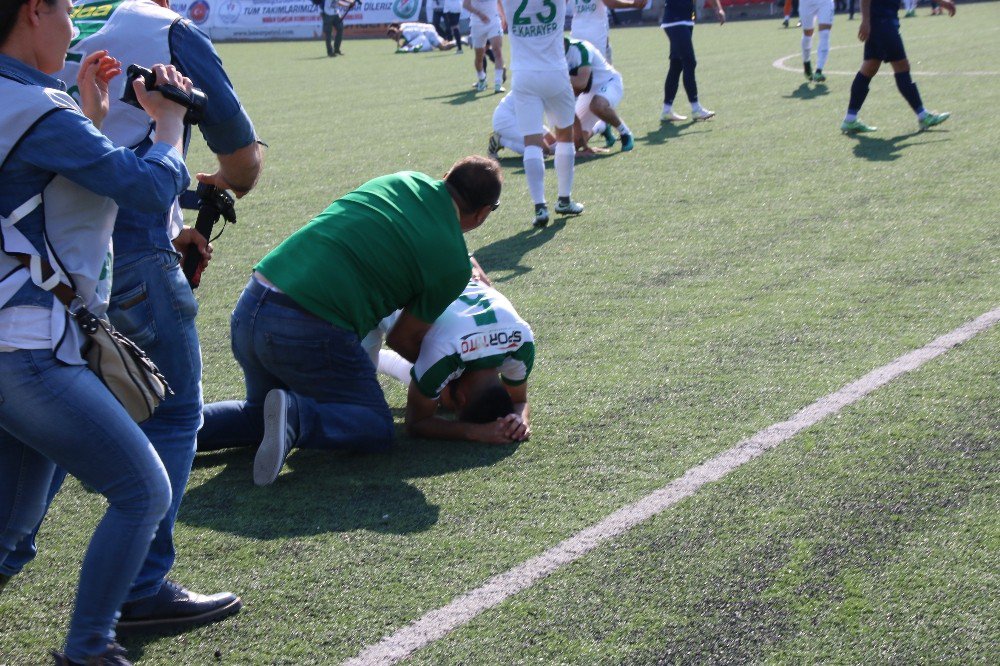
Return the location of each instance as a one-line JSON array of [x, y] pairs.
[[535, 29], [590, 22], [583, 54], [480, 329]]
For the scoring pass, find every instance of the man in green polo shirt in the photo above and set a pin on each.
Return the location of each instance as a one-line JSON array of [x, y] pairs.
[[395, 242]]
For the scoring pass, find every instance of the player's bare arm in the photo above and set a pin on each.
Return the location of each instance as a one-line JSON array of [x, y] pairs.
[[405, 337], [866, 26], [519, 395], [581, 80], [422, 421]]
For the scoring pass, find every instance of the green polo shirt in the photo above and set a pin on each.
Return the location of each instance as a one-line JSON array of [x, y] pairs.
[[394, 242]]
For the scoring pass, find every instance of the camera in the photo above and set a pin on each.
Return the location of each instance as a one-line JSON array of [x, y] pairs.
[[193, 102]]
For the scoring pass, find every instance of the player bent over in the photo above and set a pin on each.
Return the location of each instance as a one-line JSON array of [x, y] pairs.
[[507, 135], [596, 106], [879, 30], [475, 360]]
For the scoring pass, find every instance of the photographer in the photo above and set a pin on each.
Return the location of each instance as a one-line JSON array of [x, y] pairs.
[[333, 12], [59, 181], [152, 302]]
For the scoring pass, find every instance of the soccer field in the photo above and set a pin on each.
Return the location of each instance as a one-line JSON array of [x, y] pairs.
[[725, 276]]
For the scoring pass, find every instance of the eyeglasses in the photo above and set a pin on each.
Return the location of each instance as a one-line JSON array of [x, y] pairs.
[[495, 206]]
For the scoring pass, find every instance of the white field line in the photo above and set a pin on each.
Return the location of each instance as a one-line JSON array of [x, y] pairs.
[[440, 622], [781, 63]]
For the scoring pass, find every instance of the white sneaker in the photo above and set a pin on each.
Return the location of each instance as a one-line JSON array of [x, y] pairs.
[[672, 117], [702, 114], [569, 208], [276, 444]]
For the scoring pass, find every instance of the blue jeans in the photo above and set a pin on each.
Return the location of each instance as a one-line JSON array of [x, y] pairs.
[[57, 414], [330, 378], [152, 303]]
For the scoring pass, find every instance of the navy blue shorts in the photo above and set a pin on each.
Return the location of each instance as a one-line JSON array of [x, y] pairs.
[[681, 44], [884, 42]]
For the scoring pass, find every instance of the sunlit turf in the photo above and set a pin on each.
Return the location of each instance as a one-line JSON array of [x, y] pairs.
[[724, 275]]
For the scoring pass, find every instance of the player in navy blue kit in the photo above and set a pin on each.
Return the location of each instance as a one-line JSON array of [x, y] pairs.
[[678, 23], [879, 30]]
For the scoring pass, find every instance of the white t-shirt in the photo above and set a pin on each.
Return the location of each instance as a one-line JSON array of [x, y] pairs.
[[590, 21], [504, 117], [535, 30]]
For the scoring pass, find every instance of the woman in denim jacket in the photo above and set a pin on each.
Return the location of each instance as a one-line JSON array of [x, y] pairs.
[[60, 183]]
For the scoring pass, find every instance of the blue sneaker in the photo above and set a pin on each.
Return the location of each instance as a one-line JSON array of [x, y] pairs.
[[609, 136], [628, 143]]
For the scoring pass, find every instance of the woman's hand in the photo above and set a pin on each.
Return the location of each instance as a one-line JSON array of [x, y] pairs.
[[159, 108], [96, 71], [168, 115]]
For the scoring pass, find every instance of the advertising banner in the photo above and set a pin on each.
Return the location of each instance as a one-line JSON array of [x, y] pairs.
[[284, 19]]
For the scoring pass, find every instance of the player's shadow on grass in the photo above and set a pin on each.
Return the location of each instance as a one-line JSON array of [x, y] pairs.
[[505, 255], [807, 92], [667, 131], [458, 98], [323, 491], [879, 149]]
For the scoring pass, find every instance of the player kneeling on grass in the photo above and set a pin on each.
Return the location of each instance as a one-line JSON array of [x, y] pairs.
[[474, 360], [506, 134], [598, 99]]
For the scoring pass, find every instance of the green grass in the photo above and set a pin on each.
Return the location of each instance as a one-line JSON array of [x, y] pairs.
[[725, 275]]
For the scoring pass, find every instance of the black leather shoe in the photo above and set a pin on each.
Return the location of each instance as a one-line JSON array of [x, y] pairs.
[[175, 606]]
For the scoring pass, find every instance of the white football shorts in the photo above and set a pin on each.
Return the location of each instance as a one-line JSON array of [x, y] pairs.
[[612, 90], [540, 94], [812, 12], [480, 33]]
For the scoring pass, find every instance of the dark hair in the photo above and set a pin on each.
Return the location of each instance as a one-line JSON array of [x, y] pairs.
[[9, 10], [490, 404], [476, 180]]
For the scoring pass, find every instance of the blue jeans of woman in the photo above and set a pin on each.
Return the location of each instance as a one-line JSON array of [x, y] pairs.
[[338, 403], [152, 303], [57, 414]]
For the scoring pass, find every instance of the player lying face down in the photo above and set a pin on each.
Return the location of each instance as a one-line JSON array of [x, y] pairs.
[[475, 361]]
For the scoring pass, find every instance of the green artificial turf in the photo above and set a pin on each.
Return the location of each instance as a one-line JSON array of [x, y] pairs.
[[724, 275]]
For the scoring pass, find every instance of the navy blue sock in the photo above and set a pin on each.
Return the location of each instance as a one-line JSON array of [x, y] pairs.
[[859, 91], [908, 89]]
